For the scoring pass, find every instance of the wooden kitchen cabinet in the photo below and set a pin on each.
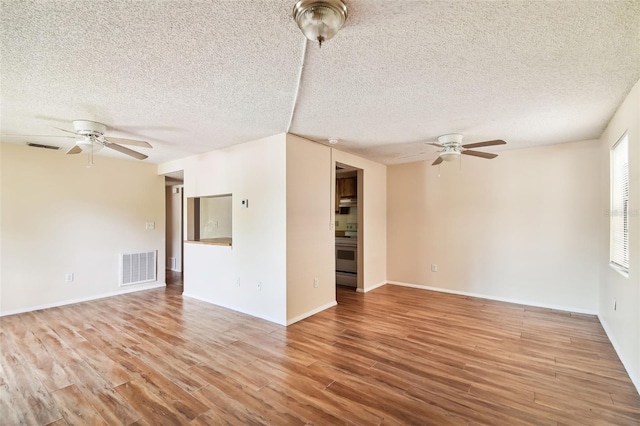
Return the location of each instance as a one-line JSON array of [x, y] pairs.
[[348, 188]]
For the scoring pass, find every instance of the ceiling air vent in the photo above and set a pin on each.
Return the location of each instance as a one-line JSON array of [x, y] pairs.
[[39, 145]]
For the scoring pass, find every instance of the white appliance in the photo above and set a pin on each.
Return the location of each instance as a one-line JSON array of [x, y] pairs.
[[347, 261]]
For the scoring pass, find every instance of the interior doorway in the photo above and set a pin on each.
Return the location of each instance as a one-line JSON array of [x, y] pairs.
[[174, 228], [349, 221]]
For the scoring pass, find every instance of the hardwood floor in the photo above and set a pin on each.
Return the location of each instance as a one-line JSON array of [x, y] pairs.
[[392, 356]]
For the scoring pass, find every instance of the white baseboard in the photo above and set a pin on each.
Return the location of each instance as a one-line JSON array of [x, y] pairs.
[[123, 290], [311, 312], [236, 308], [634, 379], [372, 287], [499, 299]]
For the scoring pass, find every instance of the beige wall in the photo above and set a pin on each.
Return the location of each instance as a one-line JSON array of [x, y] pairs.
[[285, 238], [60, 217], [372, 206], [310, 239], [255, 171], [623, 324], [522, 227], [174, 226]]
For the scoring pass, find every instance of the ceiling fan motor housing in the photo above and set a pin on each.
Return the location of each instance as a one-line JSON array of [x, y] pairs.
[[451, 139], [89, 128]]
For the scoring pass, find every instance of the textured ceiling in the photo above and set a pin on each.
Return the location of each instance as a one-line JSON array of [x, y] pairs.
[[192, 76]]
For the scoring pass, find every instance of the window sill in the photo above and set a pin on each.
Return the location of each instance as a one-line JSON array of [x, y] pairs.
[[619, 269], [212, 241]]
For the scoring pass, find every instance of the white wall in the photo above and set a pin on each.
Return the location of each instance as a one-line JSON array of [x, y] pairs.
[[522, 227], [310, 239], [372, 232], [60, 217], [174, 226], [623, 324], [255, 171]]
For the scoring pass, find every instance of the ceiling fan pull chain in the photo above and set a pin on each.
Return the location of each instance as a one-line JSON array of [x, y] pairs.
[[90, 156]]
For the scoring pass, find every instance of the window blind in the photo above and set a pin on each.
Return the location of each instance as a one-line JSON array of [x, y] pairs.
[[619, 215]]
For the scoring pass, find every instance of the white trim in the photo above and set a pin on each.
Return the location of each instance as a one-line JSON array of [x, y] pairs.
[[373, 287], [235, 308], [84, 299], [634, 378], [311, 312], [499, 299], [619, 269]]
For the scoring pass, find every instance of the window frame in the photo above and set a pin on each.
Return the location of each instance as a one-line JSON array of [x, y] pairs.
[[619, 205]]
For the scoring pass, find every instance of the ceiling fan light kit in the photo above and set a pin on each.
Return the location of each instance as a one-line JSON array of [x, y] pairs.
[[449, 155], [320, 20], [87, 145]]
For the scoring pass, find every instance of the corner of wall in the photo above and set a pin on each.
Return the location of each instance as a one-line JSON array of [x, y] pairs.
[[310, 237], [622, 324]]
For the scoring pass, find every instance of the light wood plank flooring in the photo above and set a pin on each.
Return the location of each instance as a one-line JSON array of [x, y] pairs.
[[393, 356]]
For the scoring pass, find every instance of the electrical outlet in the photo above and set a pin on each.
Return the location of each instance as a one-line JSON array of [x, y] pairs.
[[434, 267], [259, 286], [315, 283], [150, 225], [68, 278]]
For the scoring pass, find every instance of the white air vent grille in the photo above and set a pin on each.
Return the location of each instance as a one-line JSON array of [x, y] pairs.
[[138, 268]]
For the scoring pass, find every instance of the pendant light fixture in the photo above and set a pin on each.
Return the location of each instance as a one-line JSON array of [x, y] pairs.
[[320, 20]]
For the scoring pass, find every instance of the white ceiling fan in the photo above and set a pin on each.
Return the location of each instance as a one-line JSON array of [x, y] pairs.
[[452, 147], [91, 138]]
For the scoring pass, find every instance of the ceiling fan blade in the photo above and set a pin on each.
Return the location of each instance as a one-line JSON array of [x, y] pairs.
[[438, 161], [65, 130], [411, 155], [124, 150], [486, 155], [485, 143], [132, 142], [75, 150], [435, 144], [40, 136]]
